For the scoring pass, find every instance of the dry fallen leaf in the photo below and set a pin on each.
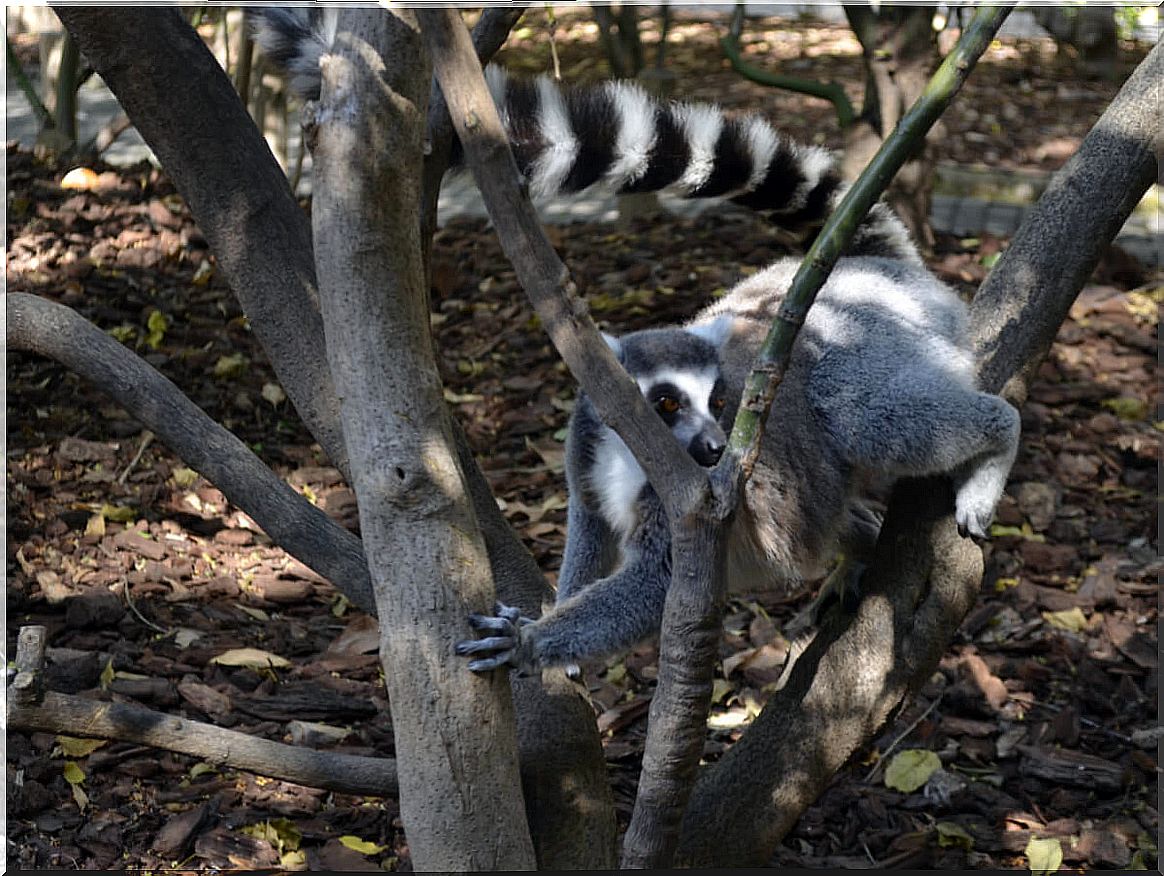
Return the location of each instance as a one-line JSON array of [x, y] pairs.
[[81, 178], [254, 658], [910, 769]]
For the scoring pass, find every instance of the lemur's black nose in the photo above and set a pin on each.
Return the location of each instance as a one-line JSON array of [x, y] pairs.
[[706, 450]]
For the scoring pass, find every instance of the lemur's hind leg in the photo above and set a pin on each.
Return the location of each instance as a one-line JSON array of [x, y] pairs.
[[980, 480], [926, 424]]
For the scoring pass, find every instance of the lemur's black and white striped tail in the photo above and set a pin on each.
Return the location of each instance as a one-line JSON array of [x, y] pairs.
[[614, 133]]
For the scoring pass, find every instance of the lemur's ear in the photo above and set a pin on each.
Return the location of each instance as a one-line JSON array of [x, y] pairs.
[[716, 331], [615, 345]]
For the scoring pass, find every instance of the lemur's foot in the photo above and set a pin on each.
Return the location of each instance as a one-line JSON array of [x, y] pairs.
[[501, 648], [973, 523], [977, 498], [843, 587]]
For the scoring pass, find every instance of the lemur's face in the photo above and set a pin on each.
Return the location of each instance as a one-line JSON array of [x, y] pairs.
[[691, 403], [679, 374]]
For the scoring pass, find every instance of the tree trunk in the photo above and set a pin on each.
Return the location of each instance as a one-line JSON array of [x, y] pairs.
[[189, 113], [262, 240], [1018, 310], [458, 785], [900, 52]]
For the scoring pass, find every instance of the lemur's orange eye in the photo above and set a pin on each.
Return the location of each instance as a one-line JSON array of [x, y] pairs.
[[718, 404], [667, 405]]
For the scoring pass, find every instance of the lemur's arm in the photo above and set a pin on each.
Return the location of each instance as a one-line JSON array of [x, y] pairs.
[[607, 616], [590, 548]]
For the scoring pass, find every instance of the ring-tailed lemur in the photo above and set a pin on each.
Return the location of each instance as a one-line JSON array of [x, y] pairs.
[[881, 382]]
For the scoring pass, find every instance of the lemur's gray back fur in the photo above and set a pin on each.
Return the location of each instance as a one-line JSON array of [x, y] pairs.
[[566, 139]]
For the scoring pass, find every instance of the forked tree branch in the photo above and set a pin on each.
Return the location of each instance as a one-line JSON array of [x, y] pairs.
[[682, 486], [41, 326], [185, 107], [691, 618], [681, 700]]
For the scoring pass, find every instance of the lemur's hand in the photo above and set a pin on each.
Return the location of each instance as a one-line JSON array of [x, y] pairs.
[[503, 646]]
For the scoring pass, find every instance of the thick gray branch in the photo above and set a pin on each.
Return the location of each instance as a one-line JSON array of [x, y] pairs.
[[49, 329], [187, 110], [1020, 307], [844, 686], [688, 647], [428, 561]]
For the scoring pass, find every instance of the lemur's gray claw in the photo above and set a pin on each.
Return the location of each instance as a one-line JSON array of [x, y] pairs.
[[491, 623], [501, 648], [498, 650], [488, 664], [511, 613], [490, 643]]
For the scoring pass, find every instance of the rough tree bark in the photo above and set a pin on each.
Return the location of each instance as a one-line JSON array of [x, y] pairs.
[[367, 138], [263, 244], [900, 50], [925, 577]]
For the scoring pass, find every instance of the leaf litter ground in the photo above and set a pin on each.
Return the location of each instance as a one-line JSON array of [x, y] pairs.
[[134, 563]]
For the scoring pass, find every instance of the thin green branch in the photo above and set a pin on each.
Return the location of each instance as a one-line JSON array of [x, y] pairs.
[[68, 80], [829, 91], [16, 69], [773, 357]]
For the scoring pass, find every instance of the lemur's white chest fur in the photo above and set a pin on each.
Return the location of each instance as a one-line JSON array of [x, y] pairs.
[[616, 478]]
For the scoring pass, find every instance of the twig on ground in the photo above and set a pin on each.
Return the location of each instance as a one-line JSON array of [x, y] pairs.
[[896, 742], [146, 439], [92, 719], [141, 617]]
